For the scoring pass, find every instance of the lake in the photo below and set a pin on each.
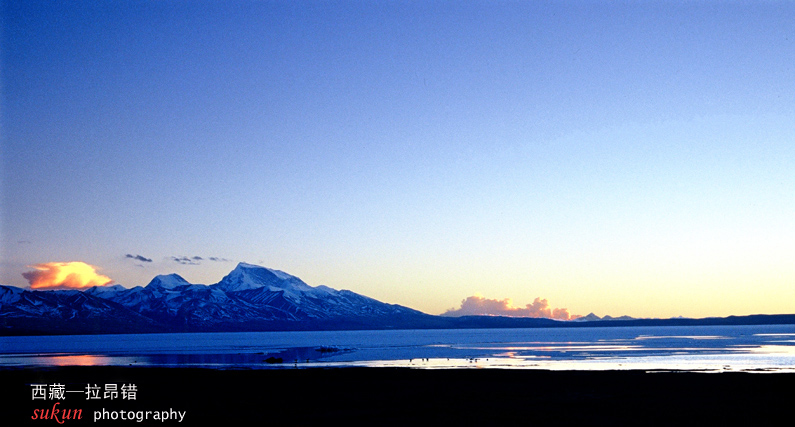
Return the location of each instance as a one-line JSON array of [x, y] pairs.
[[766, 348]]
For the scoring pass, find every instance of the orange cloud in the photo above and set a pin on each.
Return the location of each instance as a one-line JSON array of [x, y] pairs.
[[479, 306], [65, 275]]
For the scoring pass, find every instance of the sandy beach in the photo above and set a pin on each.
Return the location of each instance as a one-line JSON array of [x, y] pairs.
[[383, 396]]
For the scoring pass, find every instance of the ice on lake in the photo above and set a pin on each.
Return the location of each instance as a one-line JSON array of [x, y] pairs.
[[767, 348]]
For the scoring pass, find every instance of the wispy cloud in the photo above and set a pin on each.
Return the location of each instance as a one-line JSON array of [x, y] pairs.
[[65, 275], [138, 258], [186, 260], [196, 259], [479, 306]]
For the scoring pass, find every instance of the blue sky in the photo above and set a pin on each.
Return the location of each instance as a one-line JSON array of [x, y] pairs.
[[615, 157]]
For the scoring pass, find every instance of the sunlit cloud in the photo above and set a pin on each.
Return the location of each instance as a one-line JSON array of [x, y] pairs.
[[65, 275], [479, 306]]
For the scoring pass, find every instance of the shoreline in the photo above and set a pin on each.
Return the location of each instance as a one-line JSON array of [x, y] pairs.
[[392, 396]]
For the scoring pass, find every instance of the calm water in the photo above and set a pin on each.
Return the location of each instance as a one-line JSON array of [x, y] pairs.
[[769, 348]]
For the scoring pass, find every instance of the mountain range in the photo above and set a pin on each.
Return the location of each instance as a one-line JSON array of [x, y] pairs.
[[252, 298]]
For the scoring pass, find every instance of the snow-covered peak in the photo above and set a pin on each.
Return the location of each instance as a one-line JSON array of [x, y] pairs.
[[168, 281], [245, 265], [249, 276]]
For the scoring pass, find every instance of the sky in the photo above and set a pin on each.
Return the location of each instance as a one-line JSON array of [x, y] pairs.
[[620, 158]]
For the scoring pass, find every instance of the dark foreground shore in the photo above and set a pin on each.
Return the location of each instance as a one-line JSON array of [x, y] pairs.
[[383, 396]]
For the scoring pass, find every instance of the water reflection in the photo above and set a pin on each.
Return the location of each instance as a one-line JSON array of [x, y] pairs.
[[63, 360], [79, 360], [689, 337], [766, 348]]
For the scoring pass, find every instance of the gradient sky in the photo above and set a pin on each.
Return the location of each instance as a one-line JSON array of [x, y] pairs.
[[620, 158]]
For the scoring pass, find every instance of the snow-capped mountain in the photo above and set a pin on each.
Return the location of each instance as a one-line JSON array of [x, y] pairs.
[[69, 311], [249, 298], [290, 294], [168, 281], [254, 298], [249, 276]]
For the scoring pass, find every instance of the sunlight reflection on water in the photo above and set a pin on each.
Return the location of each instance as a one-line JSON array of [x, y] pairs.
[[712, 349]]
